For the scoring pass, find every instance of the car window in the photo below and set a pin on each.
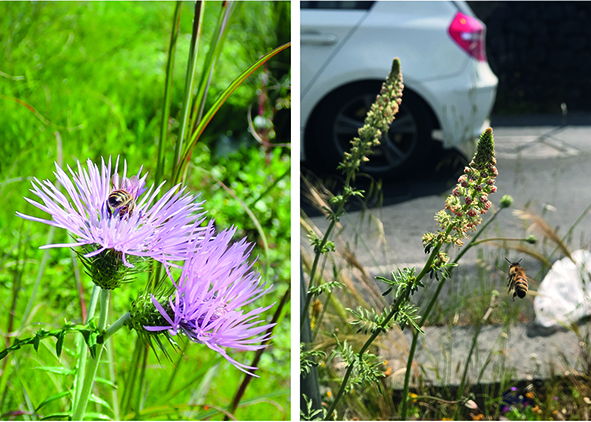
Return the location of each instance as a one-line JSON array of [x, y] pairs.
[[337, 5]]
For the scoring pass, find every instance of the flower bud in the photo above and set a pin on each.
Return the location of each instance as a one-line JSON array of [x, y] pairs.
[[506, 201]]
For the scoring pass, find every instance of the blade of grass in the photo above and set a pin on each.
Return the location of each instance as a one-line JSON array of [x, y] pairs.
[[189, 81], [180, 174], [166, 102], [215, 50]]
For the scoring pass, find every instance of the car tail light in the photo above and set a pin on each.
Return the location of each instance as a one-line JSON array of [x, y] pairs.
[[468, 33]]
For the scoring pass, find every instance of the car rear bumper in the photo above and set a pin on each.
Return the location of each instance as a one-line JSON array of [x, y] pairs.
[[462, 104]]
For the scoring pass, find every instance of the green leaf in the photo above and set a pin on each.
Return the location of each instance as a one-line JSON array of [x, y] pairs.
[[100, 401], [58, 416], [57, 370], [36, 341], [221, 100], [60, 342], [105, 381], [97, 416], [52, 398]]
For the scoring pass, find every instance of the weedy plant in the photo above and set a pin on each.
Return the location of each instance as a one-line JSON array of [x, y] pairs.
[[462, 214], [200, 283]]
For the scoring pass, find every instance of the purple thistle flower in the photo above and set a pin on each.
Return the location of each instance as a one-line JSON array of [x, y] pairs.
[[161, 229], [215, 285]]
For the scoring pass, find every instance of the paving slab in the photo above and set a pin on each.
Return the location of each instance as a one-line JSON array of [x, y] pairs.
[[518, 352]]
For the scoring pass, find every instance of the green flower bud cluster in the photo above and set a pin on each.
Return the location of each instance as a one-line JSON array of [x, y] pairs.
[[378, 119], [469, 199]]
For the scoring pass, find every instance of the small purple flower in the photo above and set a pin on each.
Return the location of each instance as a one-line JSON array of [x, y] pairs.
[[208, 306], [159, 229]]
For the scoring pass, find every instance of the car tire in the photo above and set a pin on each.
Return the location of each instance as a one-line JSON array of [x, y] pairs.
[[337, 118]]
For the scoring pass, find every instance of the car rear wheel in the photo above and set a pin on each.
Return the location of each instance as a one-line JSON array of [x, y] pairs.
[[338, 117]]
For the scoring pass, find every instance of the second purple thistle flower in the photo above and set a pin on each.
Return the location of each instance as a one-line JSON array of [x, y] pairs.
[[210, 299], [107, 212]]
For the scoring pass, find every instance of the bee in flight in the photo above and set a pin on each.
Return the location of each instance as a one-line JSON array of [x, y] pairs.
[[517, 279], [121, 199]]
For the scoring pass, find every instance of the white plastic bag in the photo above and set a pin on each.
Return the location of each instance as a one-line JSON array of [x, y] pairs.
[[564, 296]]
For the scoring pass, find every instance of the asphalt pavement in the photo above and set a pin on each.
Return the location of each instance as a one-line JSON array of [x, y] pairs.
[[544, 164]]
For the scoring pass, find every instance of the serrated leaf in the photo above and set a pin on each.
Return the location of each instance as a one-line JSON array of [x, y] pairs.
[[100, 401], [57, 370], [52, 398]]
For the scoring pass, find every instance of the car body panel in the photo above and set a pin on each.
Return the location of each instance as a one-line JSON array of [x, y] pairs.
[[459, 89]]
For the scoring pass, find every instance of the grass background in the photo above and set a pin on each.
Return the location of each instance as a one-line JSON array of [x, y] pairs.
[[86, 80]]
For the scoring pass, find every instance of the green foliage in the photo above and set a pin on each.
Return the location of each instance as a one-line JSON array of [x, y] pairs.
[[369, 321], [327, 287], [82, 80], [306, 359], [89, 331], [364, 368], [400, 279], [311, 414]]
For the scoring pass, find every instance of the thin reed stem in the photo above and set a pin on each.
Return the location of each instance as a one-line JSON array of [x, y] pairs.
[[189, 81], [174, 33]]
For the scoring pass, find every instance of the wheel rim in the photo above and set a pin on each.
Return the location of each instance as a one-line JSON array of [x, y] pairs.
[[395, 147]]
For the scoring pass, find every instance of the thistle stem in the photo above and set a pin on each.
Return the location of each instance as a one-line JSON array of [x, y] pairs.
[[80, 405], [81, 346], [116, 326]]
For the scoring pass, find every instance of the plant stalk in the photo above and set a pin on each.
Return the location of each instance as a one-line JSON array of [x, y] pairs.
[[80, 406], [429, 308]]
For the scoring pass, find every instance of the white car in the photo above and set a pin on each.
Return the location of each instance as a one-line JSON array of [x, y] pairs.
[[347, 49]]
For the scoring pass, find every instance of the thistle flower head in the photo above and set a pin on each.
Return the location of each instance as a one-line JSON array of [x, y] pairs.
[[135, 224], [208, 304], [469, 199]]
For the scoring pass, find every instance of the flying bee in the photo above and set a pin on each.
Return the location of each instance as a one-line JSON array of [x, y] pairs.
[[121, 199], [517, 279]]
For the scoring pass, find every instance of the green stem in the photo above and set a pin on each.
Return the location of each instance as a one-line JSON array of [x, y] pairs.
[[142, 383], [116, 326], [80, 406], [113, 378], [129, 386], [399, 301], [81, 346], [415, 334], [174, 33], [189, 81], [490, 239], [331, 226], [402, 298]]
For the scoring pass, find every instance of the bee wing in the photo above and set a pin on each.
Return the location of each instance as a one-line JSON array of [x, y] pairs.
[[115, 180], [133, 186]]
